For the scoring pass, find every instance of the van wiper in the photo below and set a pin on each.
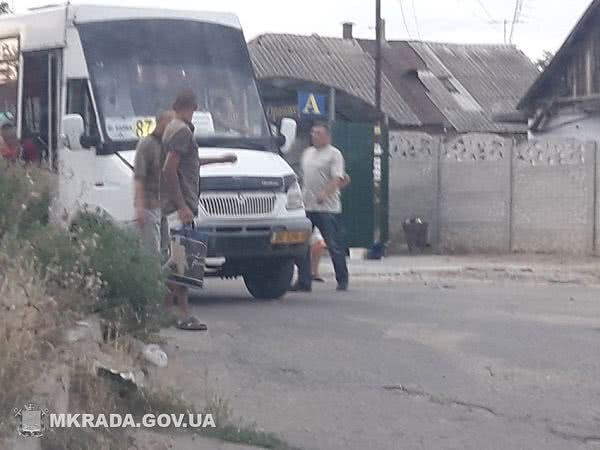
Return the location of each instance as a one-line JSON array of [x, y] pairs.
[[250, 143]]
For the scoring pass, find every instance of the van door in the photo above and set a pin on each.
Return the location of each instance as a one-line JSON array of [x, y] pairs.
[[40, 106], [76, 186]]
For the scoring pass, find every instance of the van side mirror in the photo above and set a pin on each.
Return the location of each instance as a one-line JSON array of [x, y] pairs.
[[73, 134], [89, 141], [72, 125], [288, 130]]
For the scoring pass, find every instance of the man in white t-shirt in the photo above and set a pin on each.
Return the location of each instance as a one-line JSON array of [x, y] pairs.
[[323, 174]]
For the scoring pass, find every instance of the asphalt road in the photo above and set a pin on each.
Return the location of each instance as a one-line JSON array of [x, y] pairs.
[[402, 365]]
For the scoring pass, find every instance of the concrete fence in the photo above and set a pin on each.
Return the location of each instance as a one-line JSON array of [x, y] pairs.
[[487, 193]]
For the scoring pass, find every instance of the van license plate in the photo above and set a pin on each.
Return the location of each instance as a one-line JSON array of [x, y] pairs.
[[289, 237]]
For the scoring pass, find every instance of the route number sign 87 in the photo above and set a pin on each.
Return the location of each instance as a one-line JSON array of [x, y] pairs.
[[144, 127]]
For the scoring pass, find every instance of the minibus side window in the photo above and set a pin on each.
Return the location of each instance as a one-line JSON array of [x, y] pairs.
[[9, 69], [79, 102]]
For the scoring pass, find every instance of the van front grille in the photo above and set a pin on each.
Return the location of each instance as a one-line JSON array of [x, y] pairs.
[[242, 204]]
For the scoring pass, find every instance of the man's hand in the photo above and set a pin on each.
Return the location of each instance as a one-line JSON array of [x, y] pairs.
[[229, 158], [321, 198], [140, 216], [185, 215], [346, 182]]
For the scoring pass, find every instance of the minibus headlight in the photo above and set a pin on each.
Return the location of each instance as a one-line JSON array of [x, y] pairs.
[[294, 197]]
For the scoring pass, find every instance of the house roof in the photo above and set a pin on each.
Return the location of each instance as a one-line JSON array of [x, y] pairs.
[[401, 65], [448, 85], [339, 63], [471, 84], [561, 55]]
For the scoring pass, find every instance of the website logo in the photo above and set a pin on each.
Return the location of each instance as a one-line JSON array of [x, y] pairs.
[[32, 420]]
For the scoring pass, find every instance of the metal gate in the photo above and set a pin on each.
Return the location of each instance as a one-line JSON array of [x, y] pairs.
[[355, 140]]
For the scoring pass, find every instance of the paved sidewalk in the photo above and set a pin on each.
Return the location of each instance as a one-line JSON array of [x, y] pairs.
[[586, 269]]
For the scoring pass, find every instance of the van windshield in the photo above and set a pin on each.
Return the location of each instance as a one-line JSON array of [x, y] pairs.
[[138, 66]]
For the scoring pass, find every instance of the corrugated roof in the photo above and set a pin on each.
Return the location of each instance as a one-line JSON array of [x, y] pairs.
[[401, 64], [464, 86], [340, 63], [493, 77]]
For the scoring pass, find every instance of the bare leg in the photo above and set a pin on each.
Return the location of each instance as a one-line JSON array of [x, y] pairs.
[[316, 251], [178, 294], [170, 297], [185, 319], [182, 300]]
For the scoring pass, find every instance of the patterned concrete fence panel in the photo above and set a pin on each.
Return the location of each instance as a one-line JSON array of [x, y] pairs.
[[475, 194], [553, 197], [413, 183]]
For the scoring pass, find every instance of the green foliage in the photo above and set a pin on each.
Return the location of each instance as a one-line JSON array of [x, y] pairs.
[[544, 61], [24, 199], [13, 195], [98, 258], [133, 283], [5, 8]]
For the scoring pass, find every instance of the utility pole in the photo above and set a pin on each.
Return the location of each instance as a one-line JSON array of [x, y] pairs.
[[378, 38], [377, 148]]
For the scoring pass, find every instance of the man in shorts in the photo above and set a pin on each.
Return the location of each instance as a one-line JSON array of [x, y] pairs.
[[181, 188], [149, 160]]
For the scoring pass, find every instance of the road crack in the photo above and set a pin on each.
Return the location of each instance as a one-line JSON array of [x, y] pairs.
[[438, 400], [553, 429], [572, 436]]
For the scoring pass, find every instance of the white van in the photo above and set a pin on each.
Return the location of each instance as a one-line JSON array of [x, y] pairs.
[[84, 84]]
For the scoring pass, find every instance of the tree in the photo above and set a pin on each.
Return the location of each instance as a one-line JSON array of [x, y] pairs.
[[5, 8], [544, 61]]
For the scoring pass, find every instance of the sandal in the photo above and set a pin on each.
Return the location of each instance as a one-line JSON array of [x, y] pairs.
[[191, 324], [318, 279]]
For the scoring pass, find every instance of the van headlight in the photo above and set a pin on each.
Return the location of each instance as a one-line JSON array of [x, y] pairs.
[[294, 197]]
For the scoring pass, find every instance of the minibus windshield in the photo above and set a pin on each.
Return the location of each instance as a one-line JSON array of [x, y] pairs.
[[138, 66]]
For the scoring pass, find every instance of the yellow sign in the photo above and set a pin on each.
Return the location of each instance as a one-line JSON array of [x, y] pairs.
[[311, 106], [144, 127]]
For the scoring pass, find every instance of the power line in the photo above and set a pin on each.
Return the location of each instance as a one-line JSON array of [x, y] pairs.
[[516, 16], [486, 11], [416, 19], [404, 19]]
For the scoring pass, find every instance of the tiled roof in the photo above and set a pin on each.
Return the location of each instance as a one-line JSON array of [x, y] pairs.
[[340, 63]]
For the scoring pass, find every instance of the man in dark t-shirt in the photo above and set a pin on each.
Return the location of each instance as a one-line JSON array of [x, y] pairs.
[[180, 194]]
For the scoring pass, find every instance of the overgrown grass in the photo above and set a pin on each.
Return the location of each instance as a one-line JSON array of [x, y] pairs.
[[110, 394], [51, 276], [29, 319], [132, 281], [96, 257]]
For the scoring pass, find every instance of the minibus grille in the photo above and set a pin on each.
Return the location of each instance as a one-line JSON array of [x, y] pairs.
[[243, 204]]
